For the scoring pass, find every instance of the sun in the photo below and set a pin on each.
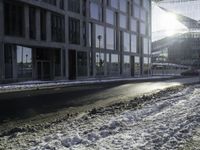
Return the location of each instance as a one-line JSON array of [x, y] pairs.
[[170, 24]]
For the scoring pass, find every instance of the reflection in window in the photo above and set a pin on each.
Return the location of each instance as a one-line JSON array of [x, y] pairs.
[[95, 11], [122, 5], [114, 3], [136, 12], [133, 25], [126, 43], [114, 64], [24, 62], [123, 21], [110, 38], [109, 16], [142, 28], [146, 66], [137, 66], [100, 63], [145, 46], [99, 36], [127, 66], [82, 63], [133, 43], [143, 15]]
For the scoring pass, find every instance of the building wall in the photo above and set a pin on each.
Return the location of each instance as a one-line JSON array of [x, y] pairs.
[[131, 38]]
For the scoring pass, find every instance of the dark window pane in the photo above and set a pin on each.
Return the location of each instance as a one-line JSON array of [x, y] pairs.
[[82, 63], [32, 22], [58, 28], [14, 19], [74, 31], [74, 6]]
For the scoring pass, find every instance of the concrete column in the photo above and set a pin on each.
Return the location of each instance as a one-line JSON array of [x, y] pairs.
[[26, 13], [48, 26], [38, 30]]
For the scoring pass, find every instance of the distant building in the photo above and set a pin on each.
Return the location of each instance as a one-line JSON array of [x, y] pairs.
[[182, 48], [74, 39]]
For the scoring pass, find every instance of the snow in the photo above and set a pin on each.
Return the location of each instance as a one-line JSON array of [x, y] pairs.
[[164, 122], [35, 85]]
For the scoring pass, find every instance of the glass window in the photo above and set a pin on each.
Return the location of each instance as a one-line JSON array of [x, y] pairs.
[[110, 38], [133, 43], [123, 21], [82, 63], [8, 60], [146, 66], [108, 63], [74, 31], [24, 62], [62, 4], [109, 16], [137, 66], [146, 4], [57, 28], [126, 43], [114, 64], [99, 36], [123, 5], [90, 34], [133, 25], [32, 23], [143, 15], [43, 24], [114, 3], [137, 1], [127, 66], [145, 46], [142, 28], [57, 62], [52, 2], [14, 19], [100, 63], [136, 12], [96, 11], [74, 6]]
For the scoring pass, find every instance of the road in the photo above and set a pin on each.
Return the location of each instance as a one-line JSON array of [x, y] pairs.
[[32, 103]]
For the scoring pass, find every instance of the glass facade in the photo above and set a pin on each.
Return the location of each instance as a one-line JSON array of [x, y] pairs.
[[77, 39]]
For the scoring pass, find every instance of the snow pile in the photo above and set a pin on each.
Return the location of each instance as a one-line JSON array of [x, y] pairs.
[[164, 123]]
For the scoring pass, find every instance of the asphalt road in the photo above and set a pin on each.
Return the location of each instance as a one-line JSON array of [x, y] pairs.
[[31, 103]]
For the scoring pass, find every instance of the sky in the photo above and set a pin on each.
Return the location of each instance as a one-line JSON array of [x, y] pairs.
[[165, 24]]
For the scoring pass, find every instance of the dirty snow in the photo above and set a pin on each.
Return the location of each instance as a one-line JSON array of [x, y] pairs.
[[166, 122]]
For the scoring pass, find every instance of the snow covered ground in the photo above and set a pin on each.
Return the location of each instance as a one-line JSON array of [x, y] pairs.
[[166, 121]]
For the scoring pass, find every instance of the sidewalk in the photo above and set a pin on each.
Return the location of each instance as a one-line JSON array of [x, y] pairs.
[[38, 85]]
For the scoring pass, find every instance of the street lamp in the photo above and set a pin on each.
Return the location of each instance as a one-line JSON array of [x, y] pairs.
[[100, 60]]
